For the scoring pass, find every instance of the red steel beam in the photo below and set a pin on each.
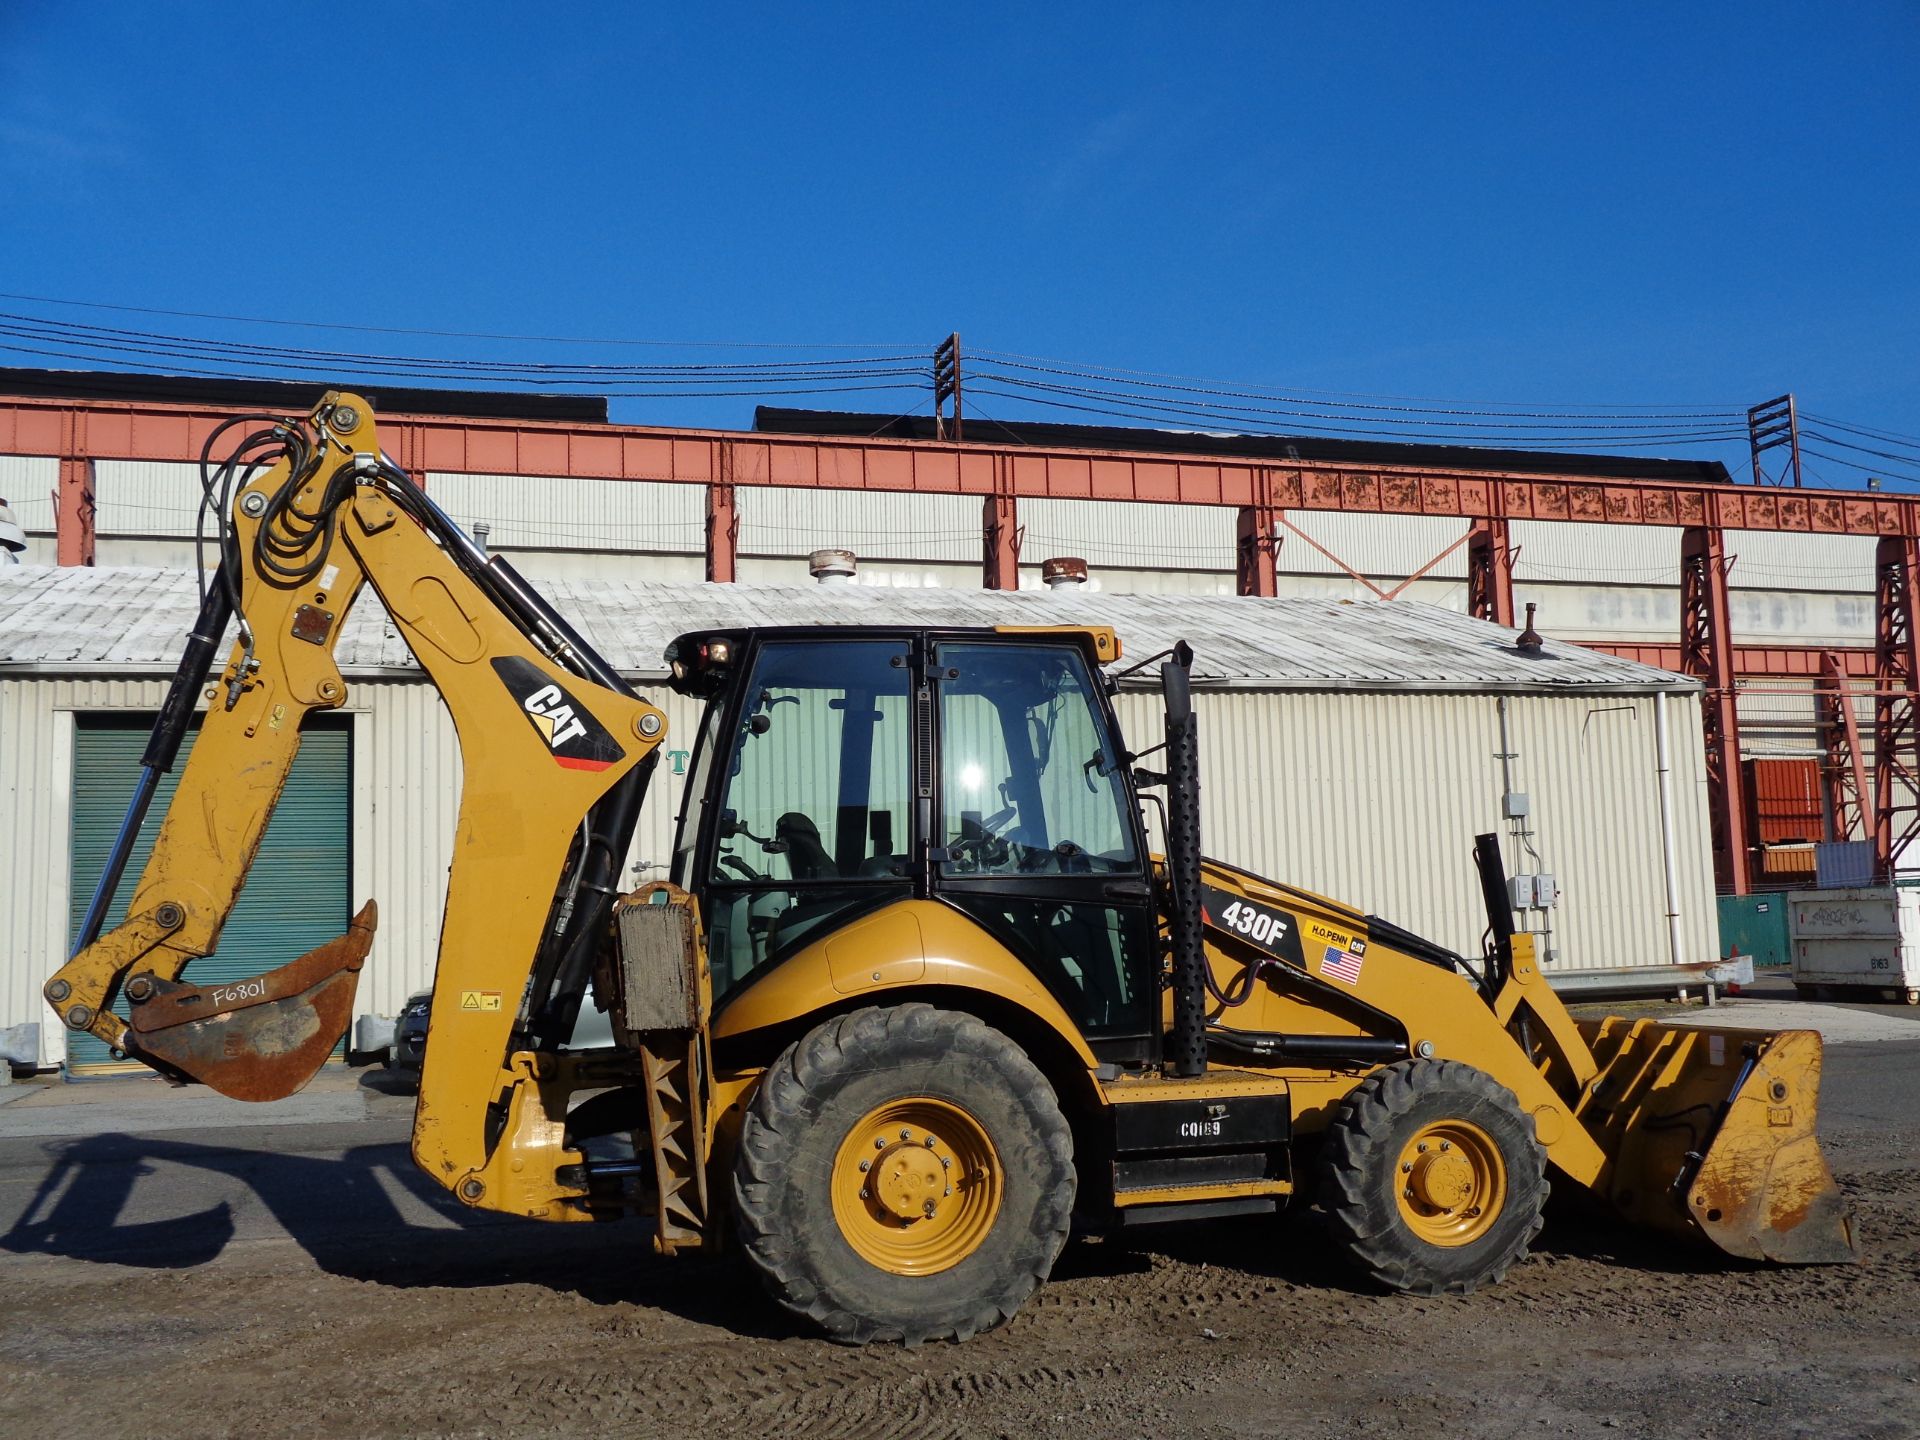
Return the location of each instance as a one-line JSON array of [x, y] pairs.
[[1000, 530], [1000, 543], [723, 533], [1706, 650], [73, 512], [1844, 767], [1896, 721], [1256, 541], [125, 430], [1490, 571], [1758, 662]]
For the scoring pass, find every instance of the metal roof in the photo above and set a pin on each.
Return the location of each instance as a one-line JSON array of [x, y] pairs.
[[75, 619]]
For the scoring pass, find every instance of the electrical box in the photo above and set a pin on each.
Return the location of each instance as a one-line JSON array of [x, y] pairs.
[[1532, 892], [1515, 805]]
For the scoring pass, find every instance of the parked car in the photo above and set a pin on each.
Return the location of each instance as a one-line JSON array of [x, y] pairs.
[[593, 1030]]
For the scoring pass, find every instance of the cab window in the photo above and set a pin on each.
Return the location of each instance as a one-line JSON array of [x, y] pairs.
[[812, 819], [1030, 776]]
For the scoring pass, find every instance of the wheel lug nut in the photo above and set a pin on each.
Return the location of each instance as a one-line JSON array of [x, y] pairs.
[[879, 1142], [864, 1195], [1446, 1144], [906, 1134], [865, 1164], [929, 1142], [928, 1207], [1423, 1147], [1407, 1168], [945, 1163]]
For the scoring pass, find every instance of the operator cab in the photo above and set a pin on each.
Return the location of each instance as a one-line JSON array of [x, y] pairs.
[[840, 770]]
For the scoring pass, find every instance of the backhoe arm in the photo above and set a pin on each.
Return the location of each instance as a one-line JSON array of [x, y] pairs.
[[556, 751]]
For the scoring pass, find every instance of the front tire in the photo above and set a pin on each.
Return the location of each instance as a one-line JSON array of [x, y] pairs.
[[1431, 1178], [903, 1174]]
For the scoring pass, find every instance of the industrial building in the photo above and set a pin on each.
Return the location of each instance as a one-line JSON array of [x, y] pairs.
[[1354, 748], [1790, 608]]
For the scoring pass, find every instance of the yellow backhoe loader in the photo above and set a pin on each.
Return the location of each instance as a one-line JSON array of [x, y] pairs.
[[917, 1001]]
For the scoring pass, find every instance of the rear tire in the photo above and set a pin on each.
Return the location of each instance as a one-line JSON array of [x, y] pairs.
[[1431, 1178], [827, 1190]]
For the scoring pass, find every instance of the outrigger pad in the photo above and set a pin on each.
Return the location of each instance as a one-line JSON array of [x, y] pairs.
[[258, 1039]]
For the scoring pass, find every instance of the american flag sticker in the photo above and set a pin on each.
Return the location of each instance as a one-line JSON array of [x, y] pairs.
[[1341, 965]]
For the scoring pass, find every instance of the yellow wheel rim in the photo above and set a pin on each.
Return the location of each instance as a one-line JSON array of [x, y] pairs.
[[1451, 1183], [916, 1186]]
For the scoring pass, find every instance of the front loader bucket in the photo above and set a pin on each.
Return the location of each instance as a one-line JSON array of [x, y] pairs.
[[1710, 1133], [258, 1039]]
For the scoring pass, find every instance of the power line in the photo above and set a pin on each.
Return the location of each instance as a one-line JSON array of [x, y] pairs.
[[452, 334], [1500, 412], [1891, 436], [1366, 423], [1726, 408], [1249, 422]]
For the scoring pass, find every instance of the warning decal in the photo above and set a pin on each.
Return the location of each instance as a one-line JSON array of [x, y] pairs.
[[479, 1000]]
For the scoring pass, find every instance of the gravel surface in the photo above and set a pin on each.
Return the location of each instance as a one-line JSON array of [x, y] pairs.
[[303, 1281]]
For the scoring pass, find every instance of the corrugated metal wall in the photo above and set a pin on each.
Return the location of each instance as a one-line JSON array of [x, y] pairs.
[[1614, 582], [1375, 799], [28, 482], [406, 796], [1368, 797], [600, 515], [36, 785]]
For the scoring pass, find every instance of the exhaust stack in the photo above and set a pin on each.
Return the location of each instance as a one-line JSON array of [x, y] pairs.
[[1187, 1046]]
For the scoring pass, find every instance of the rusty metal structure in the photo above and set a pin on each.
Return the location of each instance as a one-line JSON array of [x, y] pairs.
[[1896, 725], [1486, 492], [1706, 650], [1772, 426], [1843, 768]]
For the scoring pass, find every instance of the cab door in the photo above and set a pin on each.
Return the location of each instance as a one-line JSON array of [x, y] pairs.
[[1035, 836], [807, 823]]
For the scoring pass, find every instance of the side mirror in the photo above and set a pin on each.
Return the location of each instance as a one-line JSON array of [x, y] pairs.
[[1176, 683]]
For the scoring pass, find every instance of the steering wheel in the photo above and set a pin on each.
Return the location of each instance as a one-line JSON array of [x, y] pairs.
[[745, 871]]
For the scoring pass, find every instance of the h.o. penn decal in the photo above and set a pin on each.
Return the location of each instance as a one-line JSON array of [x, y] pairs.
[[577, 740]]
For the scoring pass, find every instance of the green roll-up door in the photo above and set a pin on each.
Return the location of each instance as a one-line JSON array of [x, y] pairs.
[[296, 894]]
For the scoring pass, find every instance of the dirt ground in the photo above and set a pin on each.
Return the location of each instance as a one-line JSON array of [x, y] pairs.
[[370, 1314]]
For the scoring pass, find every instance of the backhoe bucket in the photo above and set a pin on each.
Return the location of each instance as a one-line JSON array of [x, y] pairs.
[[258, 1039], [1711, 1133]]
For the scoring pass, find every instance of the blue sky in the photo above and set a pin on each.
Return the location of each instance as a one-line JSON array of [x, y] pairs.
[[1595, 205]]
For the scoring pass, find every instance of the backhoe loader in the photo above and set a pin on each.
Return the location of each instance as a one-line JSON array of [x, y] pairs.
[[917, 1001]]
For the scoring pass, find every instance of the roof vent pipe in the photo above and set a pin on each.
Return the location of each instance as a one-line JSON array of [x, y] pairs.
[[1530, 641], [481, 530], [831, 567], [1064, 572]]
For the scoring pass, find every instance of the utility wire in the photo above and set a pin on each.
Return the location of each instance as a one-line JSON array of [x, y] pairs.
[[1502, 412], [1728, 408], [452, 334], [1150, 397]]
